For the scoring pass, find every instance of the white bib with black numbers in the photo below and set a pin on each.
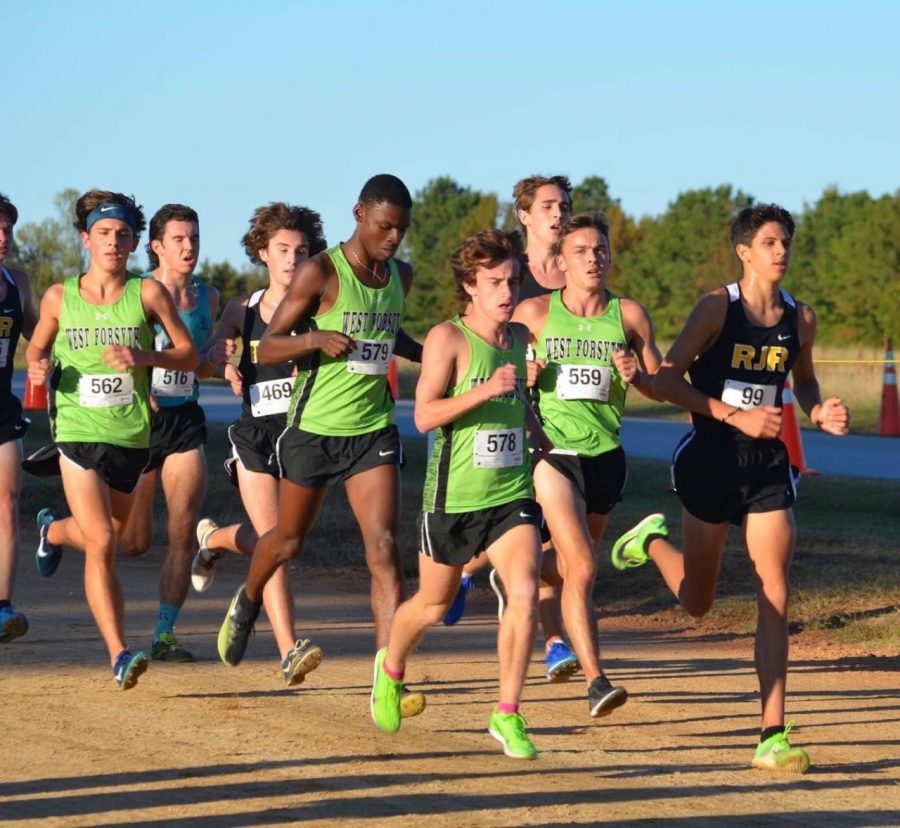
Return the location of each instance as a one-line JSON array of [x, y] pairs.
[[166, 382], [105, 390], [370, 356], [583, 382], [498, 449], [271, 396], [746, 395]]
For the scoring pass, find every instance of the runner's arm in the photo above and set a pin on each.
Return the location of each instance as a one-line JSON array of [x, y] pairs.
[[307, 289], [442, 360], [209, 360], [642, 349], [832, 416], [40, 344], [29, 312]]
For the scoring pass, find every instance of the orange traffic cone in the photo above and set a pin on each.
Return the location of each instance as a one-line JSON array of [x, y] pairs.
[[392, 380], [35, 397], [790, 430], [889, 418]]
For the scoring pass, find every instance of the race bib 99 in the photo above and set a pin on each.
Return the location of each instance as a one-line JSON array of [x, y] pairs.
[[746, 395]]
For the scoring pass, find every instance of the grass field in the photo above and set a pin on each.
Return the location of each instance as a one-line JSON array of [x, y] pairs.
[[846, 572]]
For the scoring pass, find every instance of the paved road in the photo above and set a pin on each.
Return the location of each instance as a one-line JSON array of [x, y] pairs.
[[855, 455]]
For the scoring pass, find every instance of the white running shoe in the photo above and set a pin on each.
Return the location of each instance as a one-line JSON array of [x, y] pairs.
[[203, 567]]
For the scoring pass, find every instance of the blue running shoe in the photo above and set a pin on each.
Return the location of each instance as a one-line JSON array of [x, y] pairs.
[[128, 668], [561, 662], [47, 556], [458, 607], [12, 625]]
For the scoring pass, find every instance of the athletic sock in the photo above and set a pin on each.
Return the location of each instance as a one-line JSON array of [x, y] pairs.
[[394, 674], [506, 708], [168, 615], [769, 732]]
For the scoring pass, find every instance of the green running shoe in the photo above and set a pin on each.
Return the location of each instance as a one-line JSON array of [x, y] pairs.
[[385, 702], [776, 754], [630, 549], [167, 648], [509, 730], [236, 628]]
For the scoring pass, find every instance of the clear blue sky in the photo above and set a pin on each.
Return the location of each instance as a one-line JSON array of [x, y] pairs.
[[229, 105]]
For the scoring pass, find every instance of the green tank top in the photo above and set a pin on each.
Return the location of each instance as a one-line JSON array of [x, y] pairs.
[[581, 394], [90, 402], [348, 395], [481, 459]]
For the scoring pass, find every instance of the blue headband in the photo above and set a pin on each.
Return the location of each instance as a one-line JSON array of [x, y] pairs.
[[111, 210]]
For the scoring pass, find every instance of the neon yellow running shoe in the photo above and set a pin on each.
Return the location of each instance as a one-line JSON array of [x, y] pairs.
[[630, 549], [385, 702], [509, 730], [776, 754]]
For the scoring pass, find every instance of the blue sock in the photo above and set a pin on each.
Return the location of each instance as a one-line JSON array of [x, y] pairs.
[[168, 615]]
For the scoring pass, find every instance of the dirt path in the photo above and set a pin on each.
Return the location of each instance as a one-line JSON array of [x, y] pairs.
[[209, 745]]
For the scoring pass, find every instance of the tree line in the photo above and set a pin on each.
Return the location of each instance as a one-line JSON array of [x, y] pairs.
[[846, 254]]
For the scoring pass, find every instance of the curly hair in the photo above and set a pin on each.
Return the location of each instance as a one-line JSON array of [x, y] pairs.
[[487, 249], [267, 221]]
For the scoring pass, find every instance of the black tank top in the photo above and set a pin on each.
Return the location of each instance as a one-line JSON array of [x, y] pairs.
[[529, 287], [747, 365], [277, 377], [11, 319]]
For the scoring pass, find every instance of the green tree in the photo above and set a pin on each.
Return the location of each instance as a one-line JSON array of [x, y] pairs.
[[50, 249], [444, 213], [230, 281], [682, 255]]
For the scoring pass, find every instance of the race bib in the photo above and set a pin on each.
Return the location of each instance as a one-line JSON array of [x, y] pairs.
[[498, 449], [105, 390], [370, 356], [271, 396], [583, 382], [4, 351], [165, 382], [746, 395]]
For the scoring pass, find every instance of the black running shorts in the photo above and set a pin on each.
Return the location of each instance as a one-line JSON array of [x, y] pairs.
[[454, 539], [316, 461], [119, 467], [12, 425], [175, 430], [253, 446], [720, 482], [599, 480]]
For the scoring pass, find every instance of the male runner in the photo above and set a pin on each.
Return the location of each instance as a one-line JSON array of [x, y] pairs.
[[347, 303], [281, 237], [97, 325], [478, 493], [738, 346], [178, 424], [17, 318], [590, 346], [542, 205]]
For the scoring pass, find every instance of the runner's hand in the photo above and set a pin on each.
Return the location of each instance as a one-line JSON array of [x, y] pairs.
[[39, 371], [220, 351], [833, 417], [534, 368], [120, 357], [502, 381], [626, 364], [332, 343], [235, 378], [763, 421]]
